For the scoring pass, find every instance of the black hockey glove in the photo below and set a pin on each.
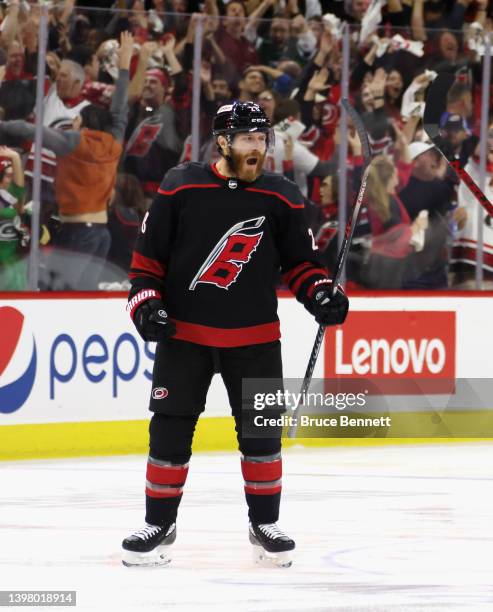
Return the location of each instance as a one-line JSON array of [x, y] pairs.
[[150, 318], [152, 322], [326, 309]]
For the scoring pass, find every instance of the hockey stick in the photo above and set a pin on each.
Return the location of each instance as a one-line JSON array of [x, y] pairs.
[[436, 105], [343, 252]]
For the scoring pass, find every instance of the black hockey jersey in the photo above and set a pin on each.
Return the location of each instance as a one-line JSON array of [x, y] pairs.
[[213, 248]]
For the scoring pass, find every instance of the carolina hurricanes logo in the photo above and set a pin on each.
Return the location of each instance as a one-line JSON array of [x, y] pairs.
[[330, 114], [159, 393], [226, 260], [141, 140]]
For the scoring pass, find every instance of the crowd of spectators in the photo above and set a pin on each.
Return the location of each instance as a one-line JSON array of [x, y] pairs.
[[117, 115]]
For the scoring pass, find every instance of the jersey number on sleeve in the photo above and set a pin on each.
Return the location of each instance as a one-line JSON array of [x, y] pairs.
[[144, 223], [314, 244]]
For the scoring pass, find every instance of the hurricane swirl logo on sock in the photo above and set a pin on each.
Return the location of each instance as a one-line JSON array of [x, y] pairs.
[[159, 393], [17, 373]]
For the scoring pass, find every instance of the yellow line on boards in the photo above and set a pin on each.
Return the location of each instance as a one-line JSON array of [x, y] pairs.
[[49, 440]]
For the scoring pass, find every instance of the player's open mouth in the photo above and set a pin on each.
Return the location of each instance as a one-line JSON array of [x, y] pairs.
[[251, 161]]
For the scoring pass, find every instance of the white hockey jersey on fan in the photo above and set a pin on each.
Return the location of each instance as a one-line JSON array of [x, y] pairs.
[[465, 245], [304, 161], [59, 115]]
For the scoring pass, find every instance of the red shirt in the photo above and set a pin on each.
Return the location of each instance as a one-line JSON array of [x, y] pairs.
[[239, 51], [391, 240]]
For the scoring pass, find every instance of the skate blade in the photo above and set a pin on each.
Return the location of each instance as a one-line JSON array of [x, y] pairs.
[[267, 559], [155, 558]]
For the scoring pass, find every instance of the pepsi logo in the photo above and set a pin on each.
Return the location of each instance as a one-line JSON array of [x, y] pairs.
[[159, 393], [16, 374]]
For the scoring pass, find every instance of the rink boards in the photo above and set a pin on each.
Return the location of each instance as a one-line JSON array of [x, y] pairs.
[[75, 377]]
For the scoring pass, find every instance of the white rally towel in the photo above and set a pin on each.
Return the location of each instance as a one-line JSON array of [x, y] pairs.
[[372, 18]]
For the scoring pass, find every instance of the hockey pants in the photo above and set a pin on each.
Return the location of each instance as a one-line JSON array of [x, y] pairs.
[[182, 375]]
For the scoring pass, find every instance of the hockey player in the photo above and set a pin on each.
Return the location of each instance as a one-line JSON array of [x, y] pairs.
[[204, 276]]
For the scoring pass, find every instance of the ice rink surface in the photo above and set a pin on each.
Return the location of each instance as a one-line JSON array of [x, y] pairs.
[[401, 528]]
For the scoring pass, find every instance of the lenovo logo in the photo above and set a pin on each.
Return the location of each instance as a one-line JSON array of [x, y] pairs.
[[379, 356], [392, 345]]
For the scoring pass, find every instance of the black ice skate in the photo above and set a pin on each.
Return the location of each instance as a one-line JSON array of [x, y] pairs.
[[270, 545], [149, 546]]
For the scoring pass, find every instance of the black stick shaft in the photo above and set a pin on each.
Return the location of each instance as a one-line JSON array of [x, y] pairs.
[[341, 258]]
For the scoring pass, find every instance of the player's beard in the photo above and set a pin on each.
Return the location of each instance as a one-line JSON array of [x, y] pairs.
[[243, 165]]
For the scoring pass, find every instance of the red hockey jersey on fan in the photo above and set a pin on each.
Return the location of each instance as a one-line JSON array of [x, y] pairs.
[[213, 248]]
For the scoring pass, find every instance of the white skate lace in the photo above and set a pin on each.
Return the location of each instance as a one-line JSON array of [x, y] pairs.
[[271, 530], [147, 532]]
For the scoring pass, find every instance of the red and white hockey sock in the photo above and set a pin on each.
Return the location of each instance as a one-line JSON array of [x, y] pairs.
[[165, 479], [263, 474]]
